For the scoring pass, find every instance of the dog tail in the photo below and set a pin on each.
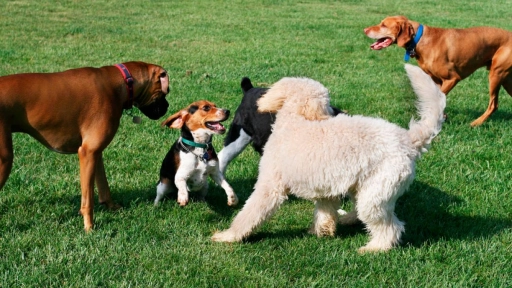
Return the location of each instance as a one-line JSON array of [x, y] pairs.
[[431, 103], [246, 84]]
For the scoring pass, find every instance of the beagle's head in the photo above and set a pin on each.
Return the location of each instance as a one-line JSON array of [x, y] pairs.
[[200, 116]]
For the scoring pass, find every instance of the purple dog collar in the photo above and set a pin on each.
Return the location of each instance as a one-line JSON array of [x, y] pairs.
[[128, 79]]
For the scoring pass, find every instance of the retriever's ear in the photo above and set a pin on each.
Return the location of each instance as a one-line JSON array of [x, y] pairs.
[[177, 119], [405, 33]]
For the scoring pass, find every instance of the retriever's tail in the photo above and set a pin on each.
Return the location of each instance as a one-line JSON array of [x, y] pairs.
[[431, 103]]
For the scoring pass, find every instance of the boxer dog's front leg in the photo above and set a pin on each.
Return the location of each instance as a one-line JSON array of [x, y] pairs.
[[102, 185], [88, 161]]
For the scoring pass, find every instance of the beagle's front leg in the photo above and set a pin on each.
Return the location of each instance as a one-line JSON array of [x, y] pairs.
[[187, 166], [218, 177]]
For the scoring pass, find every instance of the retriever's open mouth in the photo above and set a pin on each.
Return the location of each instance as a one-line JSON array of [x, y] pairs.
[[216, 127], [382, 43]]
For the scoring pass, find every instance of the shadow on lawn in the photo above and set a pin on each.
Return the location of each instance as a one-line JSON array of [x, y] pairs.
[[424, 210], [501, 115]]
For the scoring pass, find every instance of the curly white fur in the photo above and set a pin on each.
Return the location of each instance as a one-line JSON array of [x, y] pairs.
[[316, 157]]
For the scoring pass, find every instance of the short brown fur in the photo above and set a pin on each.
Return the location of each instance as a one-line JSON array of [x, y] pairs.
[[77, 111], [451, 55]]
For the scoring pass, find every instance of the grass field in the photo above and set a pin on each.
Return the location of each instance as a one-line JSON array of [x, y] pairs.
[[457, 212]]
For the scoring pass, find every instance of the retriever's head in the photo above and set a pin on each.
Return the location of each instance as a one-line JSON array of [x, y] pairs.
[[301, 96]]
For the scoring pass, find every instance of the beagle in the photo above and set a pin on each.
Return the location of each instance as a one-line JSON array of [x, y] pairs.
[[192, 158]]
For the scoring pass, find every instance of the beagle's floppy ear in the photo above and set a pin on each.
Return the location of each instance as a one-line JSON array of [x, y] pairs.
[[405, 33], [176, 120]]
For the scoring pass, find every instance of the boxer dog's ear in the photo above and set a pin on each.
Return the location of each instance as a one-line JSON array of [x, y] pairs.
[[176, 120], [163, 77]]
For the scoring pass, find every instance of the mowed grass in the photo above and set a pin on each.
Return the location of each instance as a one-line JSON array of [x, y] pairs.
[[457, 212]]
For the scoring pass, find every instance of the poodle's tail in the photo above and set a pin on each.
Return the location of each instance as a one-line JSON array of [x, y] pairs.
[[431, 103]]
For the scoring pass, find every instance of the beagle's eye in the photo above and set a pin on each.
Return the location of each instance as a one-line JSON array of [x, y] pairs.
[[163, 74], [383, 25], [206, 108]]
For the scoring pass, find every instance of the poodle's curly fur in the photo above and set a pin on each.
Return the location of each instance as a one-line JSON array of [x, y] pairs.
[[314, 156]]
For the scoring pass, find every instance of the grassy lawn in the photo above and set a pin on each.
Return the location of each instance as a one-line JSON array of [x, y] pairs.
[[457, 212]]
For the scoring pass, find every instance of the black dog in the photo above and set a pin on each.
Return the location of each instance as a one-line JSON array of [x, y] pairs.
[[248, 125]]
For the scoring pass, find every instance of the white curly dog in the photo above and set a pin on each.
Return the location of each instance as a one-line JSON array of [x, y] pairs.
[[317, 157]]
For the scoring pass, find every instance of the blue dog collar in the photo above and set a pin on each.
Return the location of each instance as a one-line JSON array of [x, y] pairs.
[[411, 49]]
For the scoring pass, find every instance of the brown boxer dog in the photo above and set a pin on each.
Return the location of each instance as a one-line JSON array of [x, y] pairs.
[[78, 111]]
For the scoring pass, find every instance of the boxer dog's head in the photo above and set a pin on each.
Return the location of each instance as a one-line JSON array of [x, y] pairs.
[[151, 85]]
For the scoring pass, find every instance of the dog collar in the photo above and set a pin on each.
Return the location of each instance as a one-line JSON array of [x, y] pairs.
[[207, 155], [410, 51], [195, 144], [128, 79]]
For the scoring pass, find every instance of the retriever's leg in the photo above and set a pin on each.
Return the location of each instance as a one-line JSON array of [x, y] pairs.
[[493, 103], [263, 202], [448, 85], [507, 84], [6, 154], [498, 74], [325, 217]]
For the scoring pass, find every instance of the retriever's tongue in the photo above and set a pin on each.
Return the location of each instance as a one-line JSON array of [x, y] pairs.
[[381, 43]]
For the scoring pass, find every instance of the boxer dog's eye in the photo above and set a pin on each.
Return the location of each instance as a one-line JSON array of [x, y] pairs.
[[206, 108], [163, 74]]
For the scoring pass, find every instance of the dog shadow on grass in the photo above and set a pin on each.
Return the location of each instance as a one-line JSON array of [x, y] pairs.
[[424, 209], [469, 115]]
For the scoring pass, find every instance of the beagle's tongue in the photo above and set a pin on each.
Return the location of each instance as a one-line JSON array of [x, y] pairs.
[[216, 126], [381, 43]]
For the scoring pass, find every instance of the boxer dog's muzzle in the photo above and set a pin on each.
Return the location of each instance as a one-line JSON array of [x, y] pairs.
[[156, 109]]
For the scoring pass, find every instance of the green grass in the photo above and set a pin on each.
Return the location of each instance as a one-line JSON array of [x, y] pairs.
[[457, 212]]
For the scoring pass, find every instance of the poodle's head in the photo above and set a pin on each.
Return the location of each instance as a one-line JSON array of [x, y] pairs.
[[301, 96]]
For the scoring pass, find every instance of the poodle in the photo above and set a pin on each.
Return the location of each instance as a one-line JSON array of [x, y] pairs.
[[249, 126], [315, 156]]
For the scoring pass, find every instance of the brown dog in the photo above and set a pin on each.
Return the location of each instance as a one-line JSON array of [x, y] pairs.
[[78, 111], [451, 55]]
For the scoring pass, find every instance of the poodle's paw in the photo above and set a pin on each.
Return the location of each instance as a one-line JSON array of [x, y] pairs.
[[373, 249], [225, 236], [326, 229]]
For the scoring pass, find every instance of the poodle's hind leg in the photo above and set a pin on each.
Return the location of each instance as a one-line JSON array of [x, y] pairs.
[[262, 203], [376, 206], [325, 217]]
